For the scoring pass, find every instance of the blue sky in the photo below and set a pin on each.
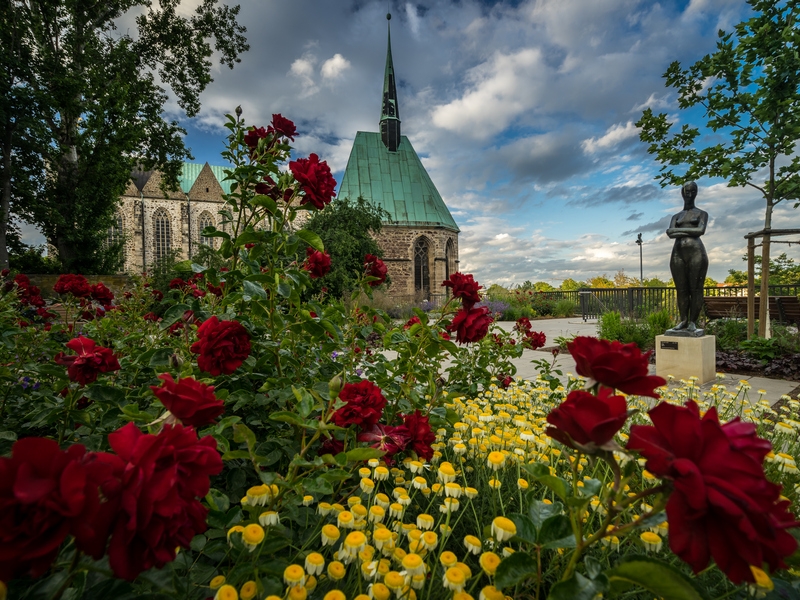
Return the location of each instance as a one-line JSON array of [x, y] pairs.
[[522, 111]]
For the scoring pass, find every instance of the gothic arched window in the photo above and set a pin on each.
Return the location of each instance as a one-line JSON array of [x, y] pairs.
[[205, 220], [449, 260], [116, 233], [422, 280], [162, 234]]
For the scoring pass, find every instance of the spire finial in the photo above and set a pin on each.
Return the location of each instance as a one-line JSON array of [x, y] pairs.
[[390, 112]]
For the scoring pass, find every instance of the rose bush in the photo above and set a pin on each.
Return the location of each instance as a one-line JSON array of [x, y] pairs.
[[336, 465]]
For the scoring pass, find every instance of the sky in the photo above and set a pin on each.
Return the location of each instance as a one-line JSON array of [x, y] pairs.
[[522, 112]]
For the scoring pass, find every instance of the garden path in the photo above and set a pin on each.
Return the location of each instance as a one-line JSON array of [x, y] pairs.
[[774, 388]]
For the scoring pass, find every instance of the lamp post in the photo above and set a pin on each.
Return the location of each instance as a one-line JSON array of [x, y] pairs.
[[641, 267]]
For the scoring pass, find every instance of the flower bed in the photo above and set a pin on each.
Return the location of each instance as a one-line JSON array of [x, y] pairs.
[[234, 437]]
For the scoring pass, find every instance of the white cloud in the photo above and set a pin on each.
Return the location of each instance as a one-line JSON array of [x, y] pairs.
[[413, 19], [333, 68], [501, 89], [614, 135], [303, 69]]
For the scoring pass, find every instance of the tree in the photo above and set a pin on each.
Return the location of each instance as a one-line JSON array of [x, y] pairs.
[[600, 281], [736, 277], [347, 228], [570, 285], [543, 286], [654, 282], [710, 282], [749, 89], [97, 97]]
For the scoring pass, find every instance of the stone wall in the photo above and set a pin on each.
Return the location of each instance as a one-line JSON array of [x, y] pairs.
[[180, 219], [397, 243]]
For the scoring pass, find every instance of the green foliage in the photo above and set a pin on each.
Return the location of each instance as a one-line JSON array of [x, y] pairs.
[[166, 268], [600, 281], [658, 322], [570, 285], [95, 105], [32, 260], [762, 349], [612, 326], [730, 333], [347, 229], [564, 308]]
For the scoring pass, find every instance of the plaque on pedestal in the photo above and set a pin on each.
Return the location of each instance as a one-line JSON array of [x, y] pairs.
[[684, 357]]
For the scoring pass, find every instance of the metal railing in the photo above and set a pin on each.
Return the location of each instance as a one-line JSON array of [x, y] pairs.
[[638, 302]]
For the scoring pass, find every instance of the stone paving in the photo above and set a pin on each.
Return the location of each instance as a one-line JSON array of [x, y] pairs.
[[774, 388], [552, 328]]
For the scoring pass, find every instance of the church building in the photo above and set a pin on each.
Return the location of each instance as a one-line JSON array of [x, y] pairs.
[[419, 238]]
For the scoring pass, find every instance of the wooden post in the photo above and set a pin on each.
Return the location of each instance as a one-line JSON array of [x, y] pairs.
[[751, 286], [763, 308]]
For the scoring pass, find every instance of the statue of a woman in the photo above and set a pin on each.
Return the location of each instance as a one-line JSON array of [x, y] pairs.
[[689, 261]]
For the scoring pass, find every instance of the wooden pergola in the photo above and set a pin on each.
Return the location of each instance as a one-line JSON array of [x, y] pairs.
[[763, 306]]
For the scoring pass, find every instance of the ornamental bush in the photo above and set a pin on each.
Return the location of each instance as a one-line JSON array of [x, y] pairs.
[[236, 436]]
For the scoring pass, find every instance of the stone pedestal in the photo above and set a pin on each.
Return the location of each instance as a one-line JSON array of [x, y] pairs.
[[684, 357]]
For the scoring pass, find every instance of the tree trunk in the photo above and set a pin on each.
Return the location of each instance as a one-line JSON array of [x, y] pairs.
[[763, 307], [5, 201]]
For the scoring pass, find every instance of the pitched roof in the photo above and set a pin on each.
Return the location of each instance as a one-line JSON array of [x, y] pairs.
[[395, 181], [187, 177]]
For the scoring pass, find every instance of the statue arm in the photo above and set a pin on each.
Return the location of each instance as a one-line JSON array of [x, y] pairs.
[[697, 231], [672, 231]]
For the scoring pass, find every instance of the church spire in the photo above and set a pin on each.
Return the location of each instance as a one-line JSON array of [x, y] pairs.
[[390, 113]]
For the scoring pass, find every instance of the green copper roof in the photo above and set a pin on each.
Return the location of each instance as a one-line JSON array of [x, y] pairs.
[[190, 172], [395, 181]]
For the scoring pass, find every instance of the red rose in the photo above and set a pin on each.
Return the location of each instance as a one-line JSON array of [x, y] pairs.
[[216, 290], [384, 437], [102, 294], [73, 284], [364, 404], [317, 263], [412, 321], [722, 506], [90, 361], [585, 421], [471, 324], [315, 179], [46, 494], [331, 446], [151, 316], [523, 325], [158, 295], [464, 287], [192, 402], [615, 365], [375, 267], [534, 340], [162, 478], [444, 335], [283, 127], [222, 345], [252, 136], [420, 434]]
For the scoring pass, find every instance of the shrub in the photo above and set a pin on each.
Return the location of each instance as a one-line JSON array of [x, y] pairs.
[[612, 326], [729, 332], [659, 322], [565, 308]]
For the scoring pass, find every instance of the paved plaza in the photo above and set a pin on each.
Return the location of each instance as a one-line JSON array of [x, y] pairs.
[[553, 328]]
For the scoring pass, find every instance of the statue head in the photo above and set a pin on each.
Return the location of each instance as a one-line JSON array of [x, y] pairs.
[[689, 192]]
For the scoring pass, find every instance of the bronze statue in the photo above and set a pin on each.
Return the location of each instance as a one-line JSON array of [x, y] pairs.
[[689, 261]]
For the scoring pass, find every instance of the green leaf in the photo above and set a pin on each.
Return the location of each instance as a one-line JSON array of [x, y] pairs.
[[576, 587], [253, 290], [311, 238], [515, 569], [556, 532], [242, 433], [360, 454], [284, 289], [284, 416], [266, 202], [217, 500], [174, 313], [161, 357], [105, 394], [558, 485], [318, 486], [655, 576], [8, 435], [541, 511], [526, 529]]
